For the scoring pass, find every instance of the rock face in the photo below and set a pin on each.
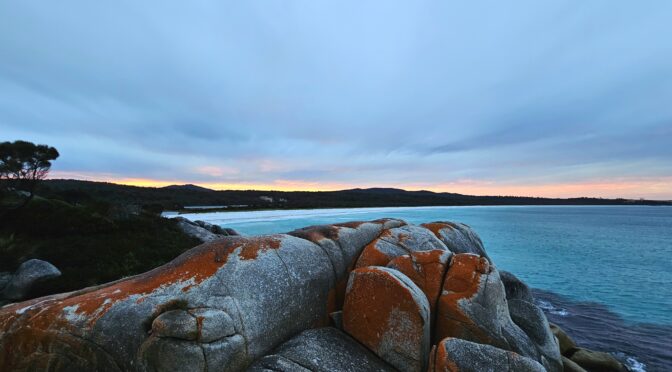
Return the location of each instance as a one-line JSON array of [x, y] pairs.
[[389, 314], [29, 274], [455, 355], [359, 296], [321, 349]]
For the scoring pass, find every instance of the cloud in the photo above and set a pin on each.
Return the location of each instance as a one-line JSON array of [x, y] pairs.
[[375, 93]]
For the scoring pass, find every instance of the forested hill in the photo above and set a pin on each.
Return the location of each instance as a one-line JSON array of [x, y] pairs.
[[179, 196]]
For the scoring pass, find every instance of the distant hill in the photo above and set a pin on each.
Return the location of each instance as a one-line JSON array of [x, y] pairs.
[[176, 197]]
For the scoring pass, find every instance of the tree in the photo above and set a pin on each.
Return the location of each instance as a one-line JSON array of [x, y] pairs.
[[22, 166]]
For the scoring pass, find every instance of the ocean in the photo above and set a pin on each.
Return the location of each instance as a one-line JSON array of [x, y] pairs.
[[601, 272]]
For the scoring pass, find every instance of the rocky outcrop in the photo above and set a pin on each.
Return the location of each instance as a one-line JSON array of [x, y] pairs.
[[578, 359], [29, 275], [596, 361], [203, 231], [359, 296]]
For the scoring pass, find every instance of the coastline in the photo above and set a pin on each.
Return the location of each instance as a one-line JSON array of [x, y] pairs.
[[639, 346]]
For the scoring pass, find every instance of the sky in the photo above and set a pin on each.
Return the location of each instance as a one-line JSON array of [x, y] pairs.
[[555, 98]]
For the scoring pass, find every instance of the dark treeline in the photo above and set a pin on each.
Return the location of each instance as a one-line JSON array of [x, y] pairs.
[[177, 197]]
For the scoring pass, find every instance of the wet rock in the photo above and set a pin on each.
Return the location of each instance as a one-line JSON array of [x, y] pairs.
[[426, 269], [458, 237], [565, 342], [398, 242], [454, 355], [389, 314], [597, 361], [27, 276], [569, 366], [323, 349]]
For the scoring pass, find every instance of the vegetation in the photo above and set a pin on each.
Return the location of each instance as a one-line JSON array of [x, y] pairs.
[[91, 240], [91, 244], [22, 166]]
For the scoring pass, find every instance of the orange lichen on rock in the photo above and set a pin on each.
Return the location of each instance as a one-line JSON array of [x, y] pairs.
[[426, 269], [372, 255], [317, 233], [436, 227], [462, 282], [79, 311], [439, 360], [388, 315]]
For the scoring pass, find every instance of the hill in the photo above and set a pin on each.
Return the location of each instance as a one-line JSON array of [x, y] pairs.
[[176, 197]]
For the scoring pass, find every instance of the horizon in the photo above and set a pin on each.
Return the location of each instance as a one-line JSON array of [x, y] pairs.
[[530, 99], [152, 184]]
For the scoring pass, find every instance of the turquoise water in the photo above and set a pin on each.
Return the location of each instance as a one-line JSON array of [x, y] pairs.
[[616, 256]]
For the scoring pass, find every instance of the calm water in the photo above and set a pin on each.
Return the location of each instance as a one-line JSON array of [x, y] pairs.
[[614, 258]]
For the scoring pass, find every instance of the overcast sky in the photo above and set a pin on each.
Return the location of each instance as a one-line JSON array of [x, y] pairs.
[[558, 98]]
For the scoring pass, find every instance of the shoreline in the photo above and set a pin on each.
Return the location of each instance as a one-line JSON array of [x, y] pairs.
[[640, 346], [168, 213]]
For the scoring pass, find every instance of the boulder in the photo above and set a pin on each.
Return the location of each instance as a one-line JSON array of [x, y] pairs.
[[565, 342], [216, 229], [210, 227], [322, 349], [398, 242], [28, 275], [597, 361], [230, 232], [426, 269], [569, 366], [458, 237], [389, 314], [533, 322], [466, 277], [473, 307], [515, 288], [454, 355], [196, 230]]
